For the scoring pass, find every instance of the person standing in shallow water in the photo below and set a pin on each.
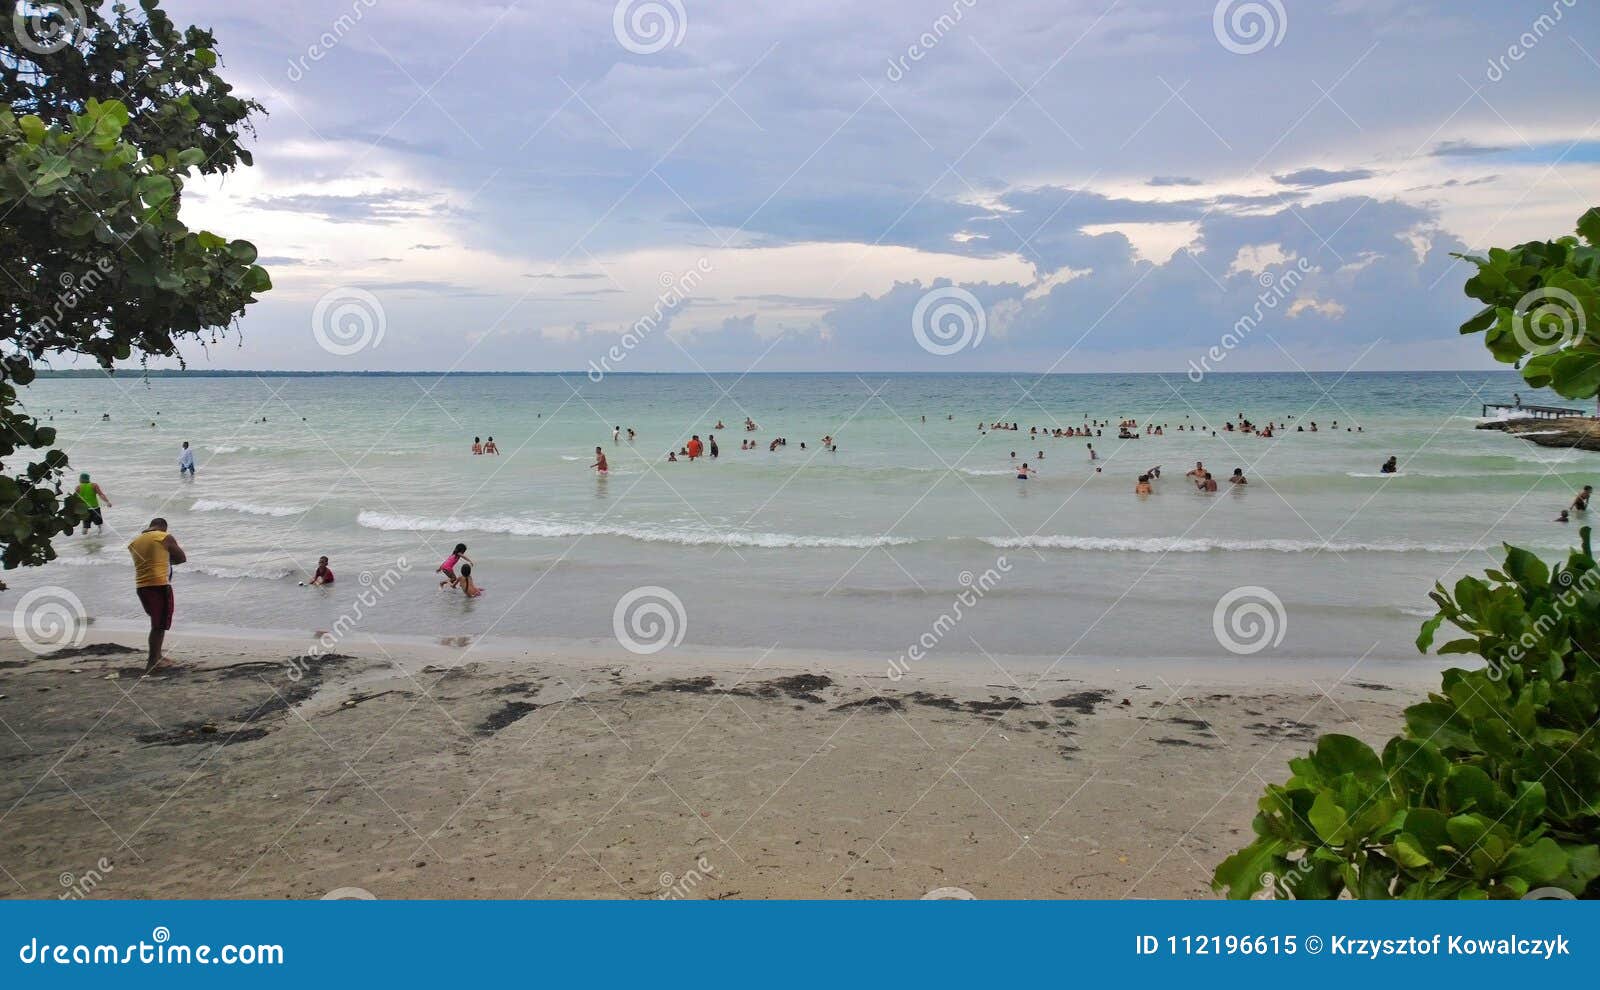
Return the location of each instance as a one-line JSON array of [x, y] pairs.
[[91, 495], [154, 553]]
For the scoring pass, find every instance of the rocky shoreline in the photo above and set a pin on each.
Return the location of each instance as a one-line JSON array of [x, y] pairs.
[[1567, 432]]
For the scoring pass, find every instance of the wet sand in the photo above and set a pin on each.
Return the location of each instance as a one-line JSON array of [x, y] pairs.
[[451, 771]]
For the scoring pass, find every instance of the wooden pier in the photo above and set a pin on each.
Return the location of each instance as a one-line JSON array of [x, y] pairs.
[[1537, 412]]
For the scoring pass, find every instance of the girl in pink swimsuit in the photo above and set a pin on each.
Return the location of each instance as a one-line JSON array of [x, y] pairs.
[[448, 568]]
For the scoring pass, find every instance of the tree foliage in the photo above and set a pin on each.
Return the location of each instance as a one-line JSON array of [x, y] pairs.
[[1492, 790], [107, 116], [1542, 308]]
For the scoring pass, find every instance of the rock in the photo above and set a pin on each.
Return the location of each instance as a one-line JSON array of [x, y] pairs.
[[1567, 432]]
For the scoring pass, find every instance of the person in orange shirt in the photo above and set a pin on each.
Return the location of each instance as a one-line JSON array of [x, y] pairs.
[[695, 447], [154, 552]]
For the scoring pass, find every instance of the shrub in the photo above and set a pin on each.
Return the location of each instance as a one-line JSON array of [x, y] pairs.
[[1493, 787]]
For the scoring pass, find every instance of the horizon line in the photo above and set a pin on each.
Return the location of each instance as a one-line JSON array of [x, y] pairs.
[[583, 373]]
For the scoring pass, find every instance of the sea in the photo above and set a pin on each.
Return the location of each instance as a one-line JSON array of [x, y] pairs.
[[914, 540]]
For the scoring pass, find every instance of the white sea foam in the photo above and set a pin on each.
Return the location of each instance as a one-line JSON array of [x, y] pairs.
[[237, 573], [231, 573], [247, 508], [515, 526], [224, 449]]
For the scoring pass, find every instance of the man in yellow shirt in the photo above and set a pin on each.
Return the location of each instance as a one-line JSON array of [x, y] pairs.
[[154, 552]]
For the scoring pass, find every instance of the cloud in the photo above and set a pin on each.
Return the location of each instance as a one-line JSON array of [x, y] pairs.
[[385, 207], [1313, 177], [1465, 149], [831, 195]]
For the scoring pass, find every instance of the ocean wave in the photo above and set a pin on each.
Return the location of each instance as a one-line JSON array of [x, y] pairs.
[[238, 573], [230, 573], [89, 561], [565, 530], [1161, 544], [224, 449], [247, 508]]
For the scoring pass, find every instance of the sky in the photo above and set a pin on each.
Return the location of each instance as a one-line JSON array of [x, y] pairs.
[[906, 185]]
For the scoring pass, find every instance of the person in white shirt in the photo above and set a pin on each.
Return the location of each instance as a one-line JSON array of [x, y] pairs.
[[186, 460]]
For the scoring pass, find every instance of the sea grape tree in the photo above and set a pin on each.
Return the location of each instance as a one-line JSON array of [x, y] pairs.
[[110, 109]]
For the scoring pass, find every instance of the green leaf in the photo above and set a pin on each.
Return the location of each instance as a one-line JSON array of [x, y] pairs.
[[1429, 629], [1576, 373], [1541, 862], [1589, 226], [1328, 819], [155, 190], [1241, 873]]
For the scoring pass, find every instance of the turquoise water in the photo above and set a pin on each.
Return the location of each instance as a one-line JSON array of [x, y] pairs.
[[857, 550]]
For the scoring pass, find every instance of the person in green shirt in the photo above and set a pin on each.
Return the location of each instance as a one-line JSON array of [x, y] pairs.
[[92, 495]]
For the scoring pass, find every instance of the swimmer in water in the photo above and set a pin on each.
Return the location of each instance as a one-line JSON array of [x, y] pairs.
[[1143, 487], [1025, 471], [600, 464], [324, 573], [467, 585]]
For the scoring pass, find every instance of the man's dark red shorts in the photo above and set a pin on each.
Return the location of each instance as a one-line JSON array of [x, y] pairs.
[[159, 605]]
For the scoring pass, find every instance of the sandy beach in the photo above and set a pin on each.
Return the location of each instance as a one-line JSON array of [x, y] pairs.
[[450, 770]]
